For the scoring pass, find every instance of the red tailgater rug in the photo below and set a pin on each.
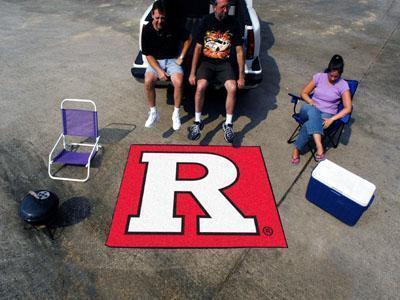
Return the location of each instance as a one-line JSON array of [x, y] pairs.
[[195, 197]]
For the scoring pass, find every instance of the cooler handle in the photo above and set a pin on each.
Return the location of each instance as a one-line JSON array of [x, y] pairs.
[[336, 192]]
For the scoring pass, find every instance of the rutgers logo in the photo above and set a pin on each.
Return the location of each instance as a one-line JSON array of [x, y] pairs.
[[162, 184], [195, 196]]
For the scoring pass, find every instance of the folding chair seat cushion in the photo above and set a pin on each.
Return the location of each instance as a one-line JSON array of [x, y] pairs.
[[73, 158]]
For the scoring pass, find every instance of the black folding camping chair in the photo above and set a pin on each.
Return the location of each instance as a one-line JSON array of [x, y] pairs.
[[333, 133]]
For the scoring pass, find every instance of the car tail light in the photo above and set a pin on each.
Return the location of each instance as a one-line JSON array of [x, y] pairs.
[[250, 44]]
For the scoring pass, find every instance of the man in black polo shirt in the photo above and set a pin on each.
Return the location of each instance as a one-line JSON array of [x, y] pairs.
[[218, 35], [160, 45]]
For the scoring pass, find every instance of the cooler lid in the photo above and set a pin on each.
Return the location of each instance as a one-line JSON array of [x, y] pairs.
[[343, 181]]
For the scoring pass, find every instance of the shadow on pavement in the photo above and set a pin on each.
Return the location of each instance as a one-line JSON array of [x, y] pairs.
[[115, 132], [258, 102], [72, 211]]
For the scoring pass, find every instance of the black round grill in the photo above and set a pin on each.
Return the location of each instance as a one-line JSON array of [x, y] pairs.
[[39, 207]]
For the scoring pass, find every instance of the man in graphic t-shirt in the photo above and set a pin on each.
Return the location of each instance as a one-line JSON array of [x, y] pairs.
[[160, 45], [218, 36]]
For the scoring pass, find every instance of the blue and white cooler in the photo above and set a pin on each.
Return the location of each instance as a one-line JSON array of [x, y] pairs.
[[339, 192]]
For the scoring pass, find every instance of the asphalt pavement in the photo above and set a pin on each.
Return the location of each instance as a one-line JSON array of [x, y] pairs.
[[51, 50]]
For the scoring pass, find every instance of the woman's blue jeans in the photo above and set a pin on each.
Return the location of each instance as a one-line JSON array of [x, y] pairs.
[[313, 123]]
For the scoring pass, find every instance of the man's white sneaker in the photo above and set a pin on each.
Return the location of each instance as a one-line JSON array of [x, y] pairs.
[[176, 121], [153, 118]]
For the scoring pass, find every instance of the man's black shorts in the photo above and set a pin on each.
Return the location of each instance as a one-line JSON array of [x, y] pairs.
[[220, 72]]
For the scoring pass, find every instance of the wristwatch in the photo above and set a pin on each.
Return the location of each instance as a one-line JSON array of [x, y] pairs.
[[181, 57]]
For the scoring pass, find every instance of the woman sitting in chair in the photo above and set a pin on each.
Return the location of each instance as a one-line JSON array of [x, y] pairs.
[[321, 109]]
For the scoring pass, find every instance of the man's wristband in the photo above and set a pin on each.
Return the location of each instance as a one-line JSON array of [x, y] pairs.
[[181, 57]]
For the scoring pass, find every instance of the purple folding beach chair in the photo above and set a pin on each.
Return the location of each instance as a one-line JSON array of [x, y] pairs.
[[77, 123]]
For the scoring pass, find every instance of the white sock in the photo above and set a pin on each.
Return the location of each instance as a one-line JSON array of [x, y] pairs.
[[153, 109], [176, 111], [197, 116], [228, 119]]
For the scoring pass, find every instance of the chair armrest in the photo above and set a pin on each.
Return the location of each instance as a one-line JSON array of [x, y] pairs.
[[55, 146], [295, 100], [95, 147]]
